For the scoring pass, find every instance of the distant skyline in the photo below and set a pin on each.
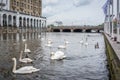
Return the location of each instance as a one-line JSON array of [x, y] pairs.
[[74, 12]]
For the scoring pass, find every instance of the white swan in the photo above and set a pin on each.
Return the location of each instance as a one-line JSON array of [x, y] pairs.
[[49, 41], [26, 49], [66, 42], [57, 55], [24, 60], [39, 36], [81, 42], [48, 45], [23, 70], [23, 40], [62, 46], [86, 44]]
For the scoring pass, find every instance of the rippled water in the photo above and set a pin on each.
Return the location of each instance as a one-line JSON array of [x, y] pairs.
[[82, 62]]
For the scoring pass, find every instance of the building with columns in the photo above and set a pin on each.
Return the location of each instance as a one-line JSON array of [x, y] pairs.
[[21, 15]]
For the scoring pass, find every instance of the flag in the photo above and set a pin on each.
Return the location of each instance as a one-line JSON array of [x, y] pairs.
[[105, 6]]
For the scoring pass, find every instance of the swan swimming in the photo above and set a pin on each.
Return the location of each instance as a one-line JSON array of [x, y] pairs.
[[26, 49], [24, 60], [86, 44], [81, 42], [23, 40], [23, 70], [62, 46], [48, 45], [57, 55], [49, 41], [66, 42]]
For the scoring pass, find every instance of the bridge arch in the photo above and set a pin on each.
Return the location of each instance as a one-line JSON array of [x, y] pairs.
[[56, 30], [77, 30], [88, 30], [66, 30]]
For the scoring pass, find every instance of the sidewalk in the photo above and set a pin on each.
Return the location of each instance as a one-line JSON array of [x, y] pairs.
[[113, 57], [115, 45]]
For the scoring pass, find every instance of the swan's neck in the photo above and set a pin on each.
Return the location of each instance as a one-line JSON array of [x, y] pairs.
[[52, 55], [65, 44], [14, 66], [25, 46], [20, 55]]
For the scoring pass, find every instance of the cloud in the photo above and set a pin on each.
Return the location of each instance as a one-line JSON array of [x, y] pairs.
[[50, 2], [48, 11], [78, 3]]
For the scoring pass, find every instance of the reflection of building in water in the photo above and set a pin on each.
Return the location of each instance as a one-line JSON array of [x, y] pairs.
[[21, 16]]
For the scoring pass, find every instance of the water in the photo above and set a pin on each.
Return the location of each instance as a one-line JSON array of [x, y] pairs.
[[82, 62]]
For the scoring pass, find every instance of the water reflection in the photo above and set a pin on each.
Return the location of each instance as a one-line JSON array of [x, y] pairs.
[[18, 37], [82, 62]]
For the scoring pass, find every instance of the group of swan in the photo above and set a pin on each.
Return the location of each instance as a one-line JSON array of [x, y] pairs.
[[23, 70], [85, 43], [58, 54], [49, 43]]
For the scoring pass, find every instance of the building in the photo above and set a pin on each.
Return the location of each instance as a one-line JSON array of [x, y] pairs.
[[23, 15]]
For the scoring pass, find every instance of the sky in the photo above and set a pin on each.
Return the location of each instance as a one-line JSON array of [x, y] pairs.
[[74, 12]]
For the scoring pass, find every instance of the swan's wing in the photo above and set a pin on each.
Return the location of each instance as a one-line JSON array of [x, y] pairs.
[[26, 69], [27, 50], [27, 59], [58, 55]]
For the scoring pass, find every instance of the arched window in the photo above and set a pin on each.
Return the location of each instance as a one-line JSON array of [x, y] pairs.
[[4, 20]]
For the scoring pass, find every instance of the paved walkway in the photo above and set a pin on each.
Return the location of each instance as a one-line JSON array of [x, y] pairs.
[[115, 45]]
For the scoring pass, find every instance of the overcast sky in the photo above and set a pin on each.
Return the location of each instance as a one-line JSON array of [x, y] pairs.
[[74, 12]]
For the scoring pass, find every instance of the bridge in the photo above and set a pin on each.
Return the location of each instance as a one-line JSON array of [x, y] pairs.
[[75, 29]]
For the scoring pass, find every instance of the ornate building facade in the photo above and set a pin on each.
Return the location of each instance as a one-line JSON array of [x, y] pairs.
[[21, 15]]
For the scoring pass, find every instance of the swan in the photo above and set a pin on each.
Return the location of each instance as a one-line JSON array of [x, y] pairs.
[[86, 44], [23, 70], [57, 55], [49, 41], [39, 36], [48, 45], [26, 49], [23, 40], [81, 42], [24, 60], [66, 42], [62, 46]]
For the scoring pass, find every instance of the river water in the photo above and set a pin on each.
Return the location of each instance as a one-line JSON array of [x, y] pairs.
[[82, 62]]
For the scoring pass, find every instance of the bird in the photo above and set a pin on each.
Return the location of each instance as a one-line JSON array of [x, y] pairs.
[[81, 42], [24, 60], [97, 45], [39, 36], [86, 44], [49, 41], [62, 46], [26, 49], [66, 42], [23, 40], [58, 55], [23, 70], [48, 45]]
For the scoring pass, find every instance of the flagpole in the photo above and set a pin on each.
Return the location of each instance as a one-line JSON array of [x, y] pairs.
[[118, 23], [109, 31], [112, 34]]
